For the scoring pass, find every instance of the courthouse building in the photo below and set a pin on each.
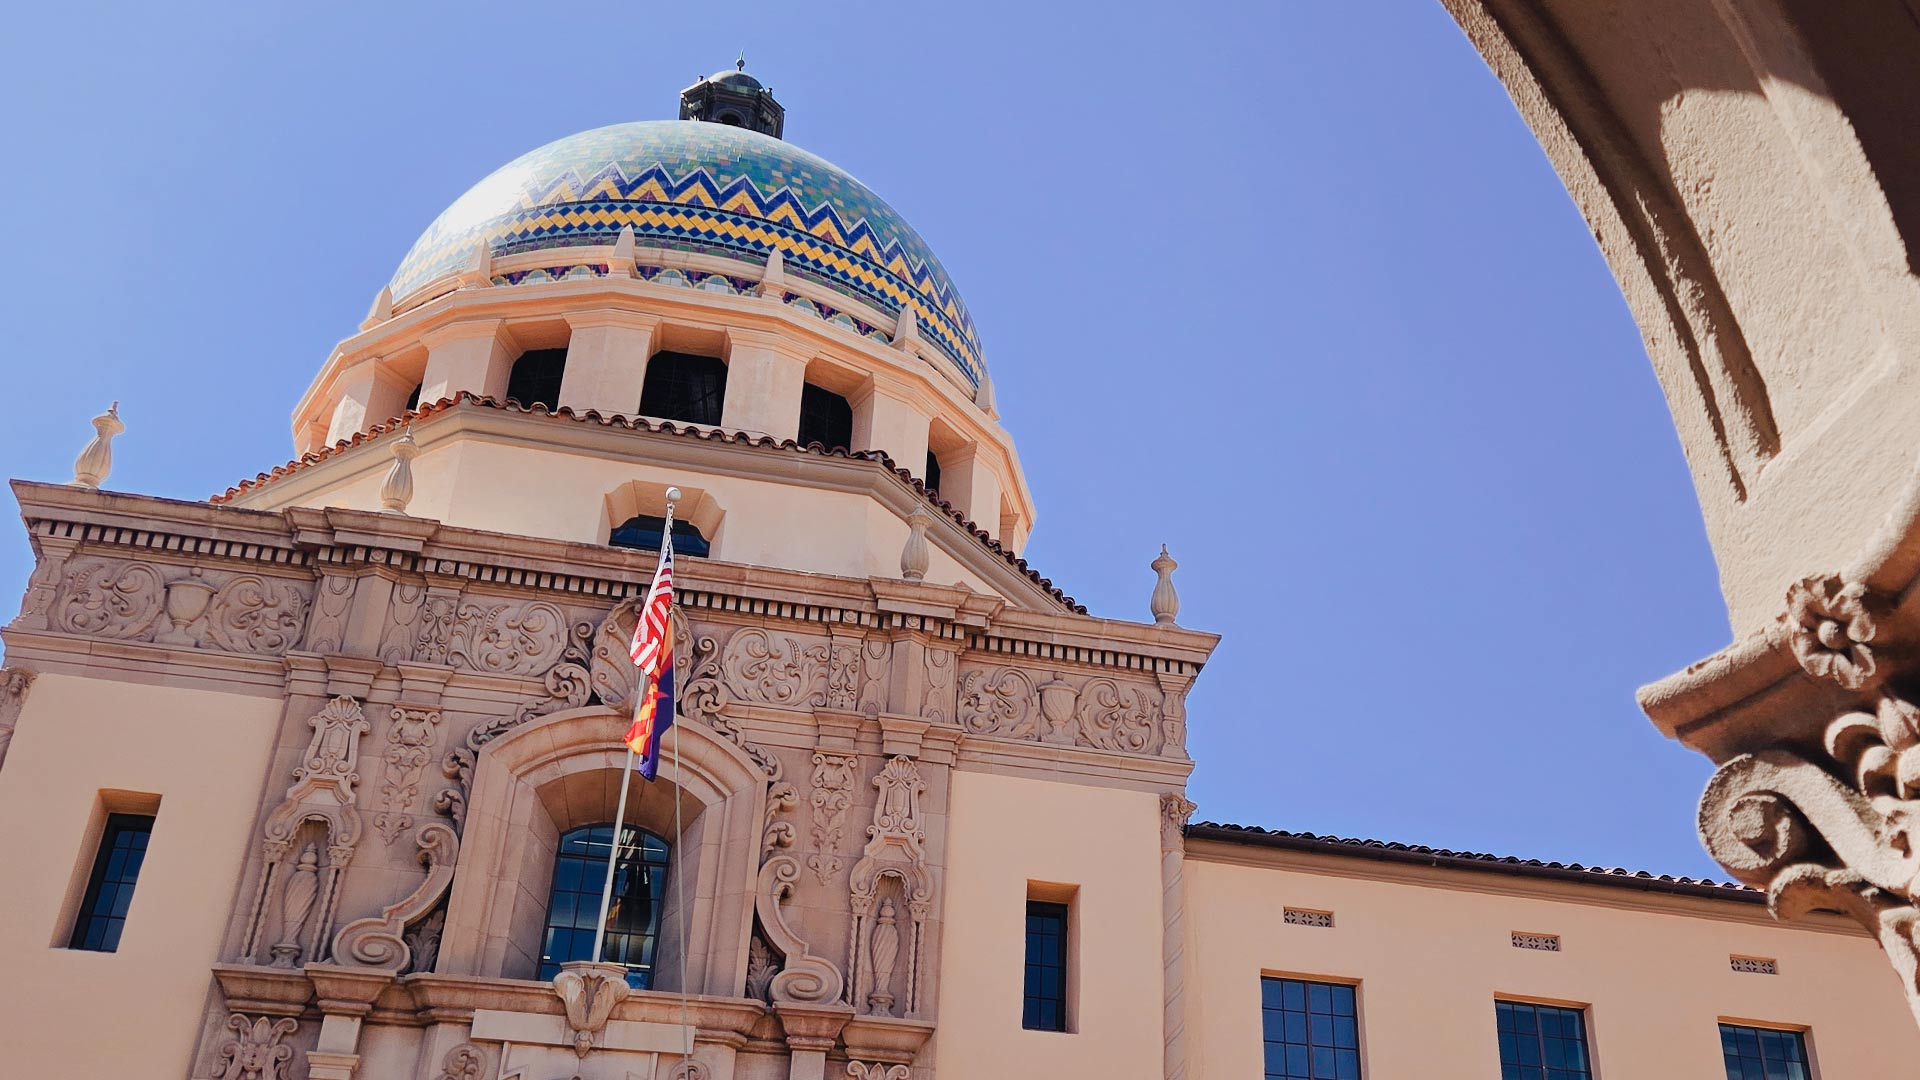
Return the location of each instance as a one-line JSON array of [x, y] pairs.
[[314, 779]]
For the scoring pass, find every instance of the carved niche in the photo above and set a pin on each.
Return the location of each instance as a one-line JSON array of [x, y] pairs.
[[322, 795], [132, 601], [894, 864], [1837, 827]]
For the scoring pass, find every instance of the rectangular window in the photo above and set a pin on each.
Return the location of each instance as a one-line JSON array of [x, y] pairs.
[[1312, 1031], [1046, 1006], [1763, 1053], [116, 867], [1541, 1042]]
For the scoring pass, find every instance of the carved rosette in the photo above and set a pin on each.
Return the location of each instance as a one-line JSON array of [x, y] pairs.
[[1834, 828]]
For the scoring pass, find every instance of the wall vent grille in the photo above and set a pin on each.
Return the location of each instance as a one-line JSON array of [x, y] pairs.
[[1536, 942], [1754, 965], [1294, 916]]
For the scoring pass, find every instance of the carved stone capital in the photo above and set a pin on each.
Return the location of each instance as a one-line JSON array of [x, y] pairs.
[[1175, 811]]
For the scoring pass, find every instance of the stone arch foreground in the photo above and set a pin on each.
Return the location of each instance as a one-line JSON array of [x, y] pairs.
[[1751, 178]]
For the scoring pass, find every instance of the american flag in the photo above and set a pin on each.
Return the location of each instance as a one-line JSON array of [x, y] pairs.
[[652, 653]]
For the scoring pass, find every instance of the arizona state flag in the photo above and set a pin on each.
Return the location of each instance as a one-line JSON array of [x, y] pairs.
[[652, 653]]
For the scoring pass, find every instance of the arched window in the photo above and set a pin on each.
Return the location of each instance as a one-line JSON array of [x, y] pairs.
[[633, 918], [825, 418], [643, 531], [535, 379], [685, 387], [933, 473]]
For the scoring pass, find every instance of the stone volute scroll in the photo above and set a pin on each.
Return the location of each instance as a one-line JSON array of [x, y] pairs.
[[381, 941], [90, 469], [322, 796]]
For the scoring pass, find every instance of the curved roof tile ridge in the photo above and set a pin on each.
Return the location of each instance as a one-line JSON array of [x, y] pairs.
[[664, 427], [1468, 860]]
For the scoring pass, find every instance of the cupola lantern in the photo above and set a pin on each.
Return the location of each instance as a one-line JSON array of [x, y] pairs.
[[736, 99]]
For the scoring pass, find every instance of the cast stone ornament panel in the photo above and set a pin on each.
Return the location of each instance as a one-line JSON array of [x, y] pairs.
[[136, 601]]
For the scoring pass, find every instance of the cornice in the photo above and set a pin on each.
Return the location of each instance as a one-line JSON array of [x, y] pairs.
[[1509, 880]]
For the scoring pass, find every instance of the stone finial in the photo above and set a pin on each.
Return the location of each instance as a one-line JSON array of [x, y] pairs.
[[906, 332], [773, 282], [396, 491], [621, 264], [915, 556], [90, 469], [1165, 603], [382, 309], [479, 269]]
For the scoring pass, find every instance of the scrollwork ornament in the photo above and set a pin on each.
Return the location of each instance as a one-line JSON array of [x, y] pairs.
[[111, 600], [463, 1062], [1118, 717], [255, 1051], [997, 701], [1831, 629], [253, 615], [508, 639]]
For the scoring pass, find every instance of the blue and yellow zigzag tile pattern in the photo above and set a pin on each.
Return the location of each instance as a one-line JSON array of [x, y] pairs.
[[690, 186]]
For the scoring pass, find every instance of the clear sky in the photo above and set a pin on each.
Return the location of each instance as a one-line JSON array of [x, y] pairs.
[[1286, 285]]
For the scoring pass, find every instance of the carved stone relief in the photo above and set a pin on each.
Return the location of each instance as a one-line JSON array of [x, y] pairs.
[[14, 684], [775, 669], [895, 861], [860, 1070], [523, 638], [411, 735], [463, 1062], [332, 600], [403, 618], [433, 629], [832, 796], [1100, 712], [844, 666], [131, 601], [873, 690], [254, 1051], [803, 977], [939, 704]]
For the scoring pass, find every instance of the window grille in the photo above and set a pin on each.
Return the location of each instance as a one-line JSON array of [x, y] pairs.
[[684, 387]]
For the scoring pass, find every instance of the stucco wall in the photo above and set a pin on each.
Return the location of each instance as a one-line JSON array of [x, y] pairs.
[[135, 1012], [1431, 959], [1003, 833]]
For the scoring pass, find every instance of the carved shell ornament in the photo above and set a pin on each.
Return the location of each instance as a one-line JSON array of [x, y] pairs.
[[1830, 627]]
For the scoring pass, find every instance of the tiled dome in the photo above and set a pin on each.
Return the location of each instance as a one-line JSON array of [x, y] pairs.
[[708, 188]]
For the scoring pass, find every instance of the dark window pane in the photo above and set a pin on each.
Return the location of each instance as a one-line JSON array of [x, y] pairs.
[[933, 473], [1045, 1008], [633, 917], [1310, 1029], [643, 532], [413, 399], [681, 386], [825, 418], [1763, 1053], [1541, 1042], [109, 895], [535, 379]]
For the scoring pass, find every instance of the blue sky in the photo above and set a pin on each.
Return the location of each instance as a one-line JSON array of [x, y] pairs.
[[1285, 285]]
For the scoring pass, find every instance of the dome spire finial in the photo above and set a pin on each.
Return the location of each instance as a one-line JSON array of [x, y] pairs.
[[740, 65]]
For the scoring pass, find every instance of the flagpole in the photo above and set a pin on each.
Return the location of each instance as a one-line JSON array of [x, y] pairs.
[[626, 777]]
